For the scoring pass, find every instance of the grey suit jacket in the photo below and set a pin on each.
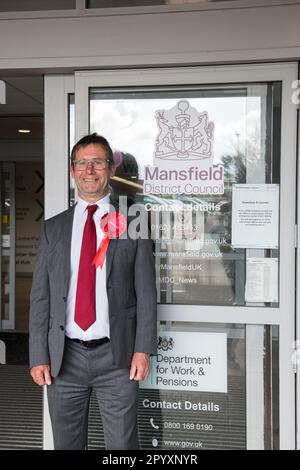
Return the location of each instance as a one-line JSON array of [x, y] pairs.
[[131, 294]]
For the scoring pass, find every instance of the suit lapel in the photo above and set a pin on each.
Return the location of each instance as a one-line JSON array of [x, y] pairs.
[[110, 255], [67, 239], [112, 244]]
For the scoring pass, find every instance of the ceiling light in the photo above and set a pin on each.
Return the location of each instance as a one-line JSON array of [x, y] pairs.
[[24, 131]]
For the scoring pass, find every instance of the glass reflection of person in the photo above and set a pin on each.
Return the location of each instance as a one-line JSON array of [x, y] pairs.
[[126, 178]]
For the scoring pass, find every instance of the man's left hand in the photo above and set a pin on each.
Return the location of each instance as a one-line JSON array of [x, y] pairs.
[[140, 366]]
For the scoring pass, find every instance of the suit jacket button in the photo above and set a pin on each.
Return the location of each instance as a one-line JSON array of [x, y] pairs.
[[62, 328]]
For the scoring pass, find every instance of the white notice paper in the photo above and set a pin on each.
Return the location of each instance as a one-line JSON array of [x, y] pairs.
[[261, 280], [255, 215]]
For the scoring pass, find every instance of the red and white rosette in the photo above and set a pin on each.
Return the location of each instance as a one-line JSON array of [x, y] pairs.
[[113, 224]]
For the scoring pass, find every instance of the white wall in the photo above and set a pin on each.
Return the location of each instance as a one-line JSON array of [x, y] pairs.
[[210, 36]]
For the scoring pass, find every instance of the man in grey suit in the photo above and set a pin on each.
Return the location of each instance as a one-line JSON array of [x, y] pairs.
[[91, 328]]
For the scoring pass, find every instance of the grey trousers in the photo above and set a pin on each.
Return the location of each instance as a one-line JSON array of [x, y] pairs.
[[83, 370]]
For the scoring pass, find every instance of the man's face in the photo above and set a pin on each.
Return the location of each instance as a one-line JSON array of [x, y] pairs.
[[92, 184]]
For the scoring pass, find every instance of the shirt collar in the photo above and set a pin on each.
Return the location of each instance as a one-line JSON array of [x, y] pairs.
[[101, 203]]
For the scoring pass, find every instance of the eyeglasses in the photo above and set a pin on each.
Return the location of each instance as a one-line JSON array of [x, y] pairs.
[[98, 164]]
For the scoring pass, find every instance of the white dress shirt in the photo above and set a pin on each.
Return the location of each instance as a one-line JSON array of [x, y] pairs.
[[100, 328]]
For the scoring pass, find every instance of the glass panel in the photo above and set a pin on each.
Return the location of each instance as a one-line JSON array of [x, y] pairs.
[[211, 386], [29, 216], [36, 5], [122, 3], [212, 238], [21, 401], [197, 397], [6, 243], [134, 3]]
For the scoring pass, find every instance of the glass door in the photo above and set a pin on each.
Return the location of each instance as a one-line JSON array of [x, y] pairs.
[[211, 154], [203, 152]]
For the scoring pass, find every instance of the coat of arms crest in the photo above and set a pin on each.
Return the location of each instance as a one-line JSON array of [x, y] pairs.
[[184, 133]]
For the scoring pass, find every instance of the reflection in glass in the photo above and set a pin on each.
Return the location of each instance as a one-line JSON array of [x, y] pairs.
[[200, 267], [5, 249], [138, 3], [29, 215], [21, 195], [246, 417], [36, 5]]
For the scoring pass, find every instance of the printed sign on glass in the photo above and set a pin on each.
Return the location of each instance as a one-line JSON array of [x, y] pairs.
[[183, 155]]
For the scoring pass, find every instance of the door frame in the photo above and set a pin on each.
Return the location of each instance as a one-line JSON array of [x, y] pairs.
[[57, 130], [296, 345]]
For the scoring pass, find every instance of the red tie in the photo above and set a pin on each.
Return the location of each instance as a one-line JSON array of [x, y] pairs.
[[85, 307]]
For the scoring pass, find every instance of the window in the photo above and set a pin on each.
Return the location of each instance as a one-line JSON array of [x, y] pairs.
[[203, 267], [36, 5]]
